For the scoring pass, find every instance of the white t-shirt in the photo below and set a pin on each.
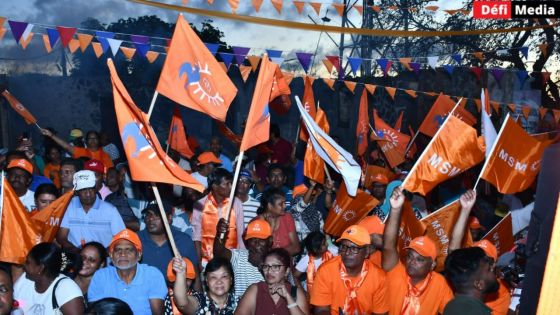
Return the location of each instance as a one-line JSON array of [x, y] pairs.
[[28, 200], [41, 303], [302, 264]]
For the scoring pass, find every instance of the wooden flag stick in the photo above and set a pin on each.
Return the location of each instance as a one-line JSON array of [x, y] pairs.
[[327, 172], [165, 223], [151, 109], [36, 124], [232, 192], [410, 143]]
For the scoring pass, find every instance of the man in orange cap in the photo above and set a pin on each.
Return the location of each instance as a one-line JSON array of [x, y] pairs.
[[350, 283], [499, 300], [19, 175], [414, 288], [375, 229], [141, 286], [207, 162]]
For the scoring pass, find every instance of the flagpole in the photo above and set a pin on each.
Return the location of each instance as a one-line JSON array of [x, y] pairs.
[[327, 172], [232, 192], [491, 152], [150, 110], [164, 219], [410, 143], [36, 124]]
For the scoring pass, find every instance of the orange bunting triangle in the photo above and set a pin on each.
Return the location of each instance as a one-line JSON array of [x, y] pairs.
[[257, 5], [254, 61], [299, 6], [432, 8], [311, 79], [556, 114], [411, 93], [526, 110], [406, 63], [233, 4], [479, 55], [223, 65], [85, 40], [371, 88], [391, 91], [316, 6], [392, 7], [2, 32], [245, 71], [25, 42], [47, 43], [495, 106], [465, 11], [360, 9], [511, 107], [288, 76], [543, 47], [376, 8], [97, 49], [329, 82], [339, 8], [328, 64], [210, 1], [478, 104], [277, 5], [451, 12], [350, 85], [152, 56], [412, 9], [542, 112], [73, 45], [128, 52]]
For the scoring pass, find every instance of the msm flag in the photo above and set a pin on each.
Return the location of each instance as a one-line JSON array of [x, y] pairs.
[[177, 138], [337, 158], [362, 127], [147, 160], [192, 77], [313, 165], [19, 108], [394, 147], [454, 149], [515, 159], [439, 110], [50, 217]]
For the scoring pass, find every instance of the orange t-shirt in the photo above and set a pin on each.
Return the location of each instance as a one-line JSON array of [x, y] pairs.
[[329, 288], [94, 155], [52, 172], [432, 301], [499, 301], [375, 258]]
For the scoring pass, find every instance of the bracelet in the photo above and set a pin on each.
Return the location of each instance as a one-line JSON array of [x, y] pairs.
[[292, 305]]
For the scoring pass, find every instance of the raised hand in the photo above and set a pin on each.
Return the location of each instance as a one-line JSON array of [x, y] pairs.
[[467, 200], [397, 198], [179, 266]]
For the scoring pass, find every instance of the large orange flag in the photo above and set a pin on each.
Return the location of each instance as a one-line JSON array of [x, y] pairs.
[[501, 235], [192, 77], [19, 233], [49, 218], [19, 108], [313, 165], [362, 127], [229, 134], [439, 110], [410, 228], [514, 160], [280, 97], [395, 146], [147, 160], [454, 149], [308, 104], [373, 171], [347, 210], [177, 138]]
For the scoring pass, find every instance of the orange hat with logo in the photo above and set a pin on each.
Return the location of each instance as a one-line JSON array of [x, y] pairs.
[[208, 157], [258, 228], [424, 246], [380, 178], [356, 234], [373, 224], [474, 224], [128, 235], [489, 248], [189, 272], [21, 163]]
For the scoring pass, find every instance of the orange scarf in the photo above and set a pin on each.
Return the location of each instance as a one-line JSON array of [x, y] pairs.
[[411, 304], [311, 271], [211, 214], [351, 305]]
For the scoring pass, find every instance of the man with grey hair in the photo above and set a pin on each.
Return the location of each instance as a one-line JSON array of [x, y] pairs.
[[88, 218]]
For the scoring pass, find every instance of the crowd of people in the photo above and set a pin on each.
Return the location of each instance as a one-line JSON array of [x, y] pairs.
[[113, 255]]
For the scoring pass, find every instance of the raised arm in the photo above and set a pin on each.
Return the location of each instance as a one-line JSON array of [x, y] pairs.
[[220, 249], [390, 255], [467, 201], [65, 145], [185, 303]]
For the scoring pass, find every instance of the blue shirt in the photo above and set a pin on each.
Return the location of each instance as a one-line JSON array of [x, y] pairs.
[[226, 163], [160, 256], [148, 283]]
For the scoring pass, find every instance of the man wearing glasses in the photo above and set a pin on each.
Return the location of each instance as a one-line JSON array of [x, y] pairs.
[[350, 283]]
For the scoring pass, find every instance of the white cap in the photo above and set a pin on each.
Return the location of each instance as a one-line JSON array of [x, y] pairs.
[[84, 179]]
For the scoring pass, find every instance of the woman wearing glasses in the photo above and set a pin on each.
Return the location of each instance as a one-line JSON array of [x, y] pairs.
[[275, 295]]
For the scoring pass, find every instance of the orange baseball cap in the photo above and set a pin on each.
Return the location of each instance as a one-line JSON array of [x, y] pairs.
[[208, 157], [356, 234], [372, 224], [424, 246], [21, 163], [380, 178], [474, 223], [489, 248], [258, 228], [189, 272], [128, 235]]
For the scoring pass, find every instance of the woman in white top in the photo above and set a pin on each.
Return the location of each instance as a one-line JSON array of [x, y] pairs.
[[42, 287]]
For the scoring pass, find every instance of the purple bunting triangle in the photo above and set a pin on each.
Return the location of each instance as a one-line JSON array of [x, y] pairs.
[[213, 48], [140, 39], [355, 64], [415, 66], [240, 53], [457, 58], [522, 76], [449, 69], [274, 53], [498, 74], [226, 58], [304, 60], [524, 51], [142, 48], [17, 29], [53, 36]]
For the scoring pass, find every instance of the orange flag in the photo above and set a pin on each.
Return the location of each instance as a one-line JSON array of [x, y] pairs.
[[19, 108], [514, 160], [192, 77], [280, 96], [398, 123], [147, 160], [347, 210], [454, 149], [373, 170], [177, 138], [230, 135], [395, 146], [411, 227], [501, 235], [313, 165], [308, 104], [19, 233], [49, 218], [436, 116], [362, 126]]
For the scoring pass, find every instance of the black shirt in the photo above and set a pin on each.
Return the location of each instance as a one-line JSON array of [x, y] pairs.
[[466, 304]]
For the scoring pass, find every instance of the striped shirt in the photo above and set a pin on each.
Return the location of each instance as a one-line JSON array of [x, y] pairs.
[[244, 273], [250, 210]]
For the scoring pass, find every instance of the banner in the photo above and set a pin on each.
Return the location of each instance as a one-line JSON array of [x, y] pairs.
[[313, 165], [395, 147], [439, 111], [501, 235], [51, 216]]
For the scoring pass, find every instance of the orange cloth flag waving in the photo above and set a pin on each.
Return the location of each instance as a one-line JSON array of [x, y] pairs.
[[501, 235], [313, 165], [514, 160], [410, 228], [19, 233], [308, 104], [229, 134], [49, 218], [177, 138], [454, 149], [362, 127], [395, 146], [192, 77], [147, 160], [440, 109], [347, 210], [19, 108]]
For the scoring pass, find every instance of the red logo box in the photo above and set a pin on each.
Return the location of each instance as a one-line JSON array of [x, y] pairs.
[[492, 10]]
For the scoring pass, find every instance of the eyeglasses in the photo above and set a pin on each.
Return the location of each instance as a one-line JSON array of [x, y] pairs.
[[273, 268], [349, 249]]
